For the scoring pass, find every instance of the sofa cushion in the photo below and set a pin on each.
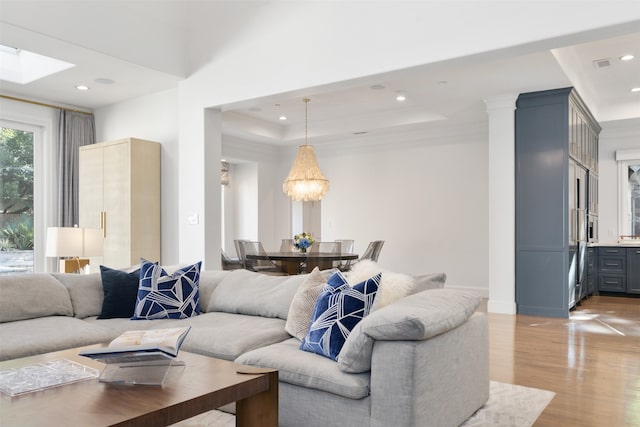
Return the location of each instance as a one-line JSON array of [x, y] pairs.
[[256, 294], [339, 308], [209, 280], [46, 334], [163, 296], [306, 369], [416, 317], [228, 335], [301, 309], [85, 291], [215, 334], [31, 295], [120, 292]]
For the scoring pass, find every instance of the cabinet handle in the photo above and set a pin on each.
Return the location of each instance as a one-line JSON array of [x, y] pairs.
[[611, 251], [103, 223], [611, 264], [608, 282], [638, 252]]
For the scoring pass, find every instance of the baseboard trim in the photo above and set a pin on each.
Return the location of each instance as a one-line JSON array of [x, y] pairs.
[[501, 307]]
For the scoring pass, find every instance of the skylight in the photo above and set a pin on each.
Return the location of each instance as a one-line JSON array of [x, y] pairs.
[[21, 66]]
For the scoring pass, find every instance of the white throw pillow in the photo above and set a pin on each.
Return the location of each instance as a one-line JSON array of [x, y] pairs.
[[304, 300], [393, 286]]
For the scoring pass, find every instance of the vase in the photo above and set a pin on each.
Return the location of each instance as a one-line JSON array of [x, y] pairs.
[[303, 250]]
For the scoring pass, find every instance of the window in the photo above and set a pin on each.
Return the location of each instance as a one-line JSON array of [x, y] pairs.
[[629, 192], [16, 198], [633, 197]]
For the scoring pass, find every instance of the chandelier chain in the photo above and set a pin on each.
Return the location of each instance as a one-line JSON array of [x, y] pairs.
[[306, 117]]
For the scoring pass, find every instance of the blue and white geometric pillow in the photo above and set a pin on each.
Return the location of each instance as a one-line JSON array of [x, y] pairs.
[[339, 308], [163, 296]]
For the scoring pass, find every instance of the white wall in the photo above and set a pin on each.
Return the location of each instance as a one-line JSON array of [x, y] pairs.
[[155, 118], [273, 210], [427, 198], [245, 189], [617, 135]]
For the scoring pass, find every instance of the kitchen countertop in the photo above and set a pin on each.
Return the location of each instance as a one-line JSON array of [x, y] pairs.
[[616, 244]]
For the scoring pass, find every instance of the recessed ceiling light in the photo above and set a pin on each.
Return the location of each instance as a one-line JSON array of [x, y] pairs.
[[255, 109], [104, 81], [635, 89], [401, 95], [377, 87], [82, 87], [283, 117], [627, 57]]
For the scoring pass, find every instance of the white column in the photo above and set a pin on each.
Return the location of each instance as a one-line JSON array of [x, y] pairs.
[[501, 203], [212, 193], [199, 182]]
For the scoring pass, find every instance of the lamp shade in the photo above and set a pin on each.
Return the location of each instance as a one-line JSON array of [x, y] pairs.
[[64, 242], [74, 242], [305, 181]]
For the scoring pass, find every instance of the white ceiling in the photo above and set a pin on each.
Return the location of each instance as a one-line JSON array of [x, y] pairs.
[[147, 49]]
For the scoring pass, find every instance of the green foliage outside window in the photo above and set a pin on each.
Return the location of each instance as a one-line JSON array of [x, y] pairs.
[[16, 186], [16, 171], [19, 234]]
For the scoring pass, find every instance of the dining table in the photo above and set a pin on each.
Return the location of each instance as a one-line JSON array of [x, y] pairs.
[[291, 262]]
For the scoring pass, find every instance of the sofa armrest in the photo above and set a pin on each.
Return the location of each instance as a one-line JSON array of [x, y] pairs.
[[417, 317], [444, 379]]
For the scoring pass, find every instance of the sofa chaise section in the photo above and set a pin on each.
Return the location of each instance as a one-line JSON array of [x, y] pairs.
[[425, 363]]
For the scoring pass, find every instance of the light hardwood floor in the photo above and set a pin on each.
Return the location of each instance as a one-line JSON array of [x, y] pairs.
[[591, 361]]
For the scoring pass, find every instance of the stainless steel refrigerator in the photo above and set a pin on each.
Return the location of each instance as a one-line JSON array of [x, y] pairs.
[[578, 224]]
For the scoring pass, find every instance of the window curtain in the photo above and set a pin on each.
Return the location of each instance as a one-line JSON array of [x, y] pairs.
[[75, 130]]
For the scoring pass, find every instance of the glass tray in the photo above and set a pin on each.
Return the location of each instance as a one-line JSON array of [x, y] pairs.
[[44, 375]]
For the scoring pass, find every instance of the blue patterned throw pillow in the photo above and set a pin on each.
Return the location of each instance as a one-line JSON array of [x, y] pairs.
[[339, 308], [164, 296]]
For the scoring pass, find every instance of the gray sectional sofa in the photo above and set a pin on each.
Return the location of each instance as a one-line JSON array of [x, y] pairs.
[[421, 360]]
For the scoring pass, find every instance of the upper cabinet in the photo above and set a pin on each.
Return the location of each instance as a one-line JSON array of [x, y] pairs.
[[583, 133], [119, 187]]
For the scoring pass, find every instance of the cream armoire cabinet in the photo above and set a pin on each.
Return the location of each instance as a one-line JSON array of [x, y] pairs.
[[119, 188]]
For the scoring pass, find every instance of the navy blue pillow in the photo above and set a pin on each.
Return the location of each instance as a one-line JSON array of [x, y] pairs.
[[120, 291], [339, 308], [163, 296]]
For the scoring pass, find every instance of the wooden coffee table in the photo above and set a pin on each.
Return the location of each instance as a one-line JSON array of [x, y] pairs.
[[203, 384]]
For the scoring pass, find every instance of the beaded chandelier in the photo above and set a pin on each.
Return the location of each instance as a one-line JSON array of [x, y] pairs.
[[305, 181]]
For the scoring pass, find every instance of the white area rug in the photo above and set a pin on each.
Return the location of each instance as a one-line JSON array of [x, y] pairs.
[[508, 406]]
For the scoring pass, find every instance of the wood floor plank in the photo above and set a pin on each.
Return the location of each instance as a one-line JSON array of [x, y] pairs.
[[591, 361]]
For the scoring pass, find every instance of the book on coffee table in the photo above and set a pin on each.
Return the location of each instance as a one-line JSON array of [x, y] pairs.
[[141, 346]]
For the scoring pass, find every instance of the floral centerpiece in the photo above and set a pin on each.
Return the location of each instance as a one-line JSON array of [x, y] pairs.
[[303, 241]]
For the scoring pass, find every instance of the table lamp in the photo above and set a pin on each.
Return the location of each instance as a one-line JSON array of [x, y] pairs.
[[74, 244]]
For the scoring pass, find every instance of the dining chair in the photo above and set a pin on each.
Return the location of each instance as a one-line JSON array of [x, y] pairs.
[[371, 253], [346, 245], [287, 246], [262, 265], [240, 251], [347, 248], [229, 263], [326, 247]]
